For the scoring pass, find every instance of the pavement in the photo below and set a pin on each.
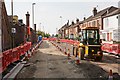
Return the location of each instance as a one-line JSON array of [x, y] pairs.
[[49, 62]]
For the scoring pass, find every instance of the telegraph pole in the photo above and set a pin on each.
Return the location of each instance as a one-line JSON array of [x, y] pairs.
[[1, 27], [12, 29]]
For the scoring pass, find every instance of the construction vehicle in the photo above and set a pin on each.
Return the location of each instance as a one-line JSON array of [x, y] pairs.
[[90, 44]]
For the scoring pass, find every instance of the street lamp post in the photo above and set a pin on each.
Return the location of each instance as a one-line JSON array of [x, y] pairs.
[[12, 9], [1, 47], [13, 30], [33, 12], [40, 27], [56, 30], [61, 25], [61, 20]]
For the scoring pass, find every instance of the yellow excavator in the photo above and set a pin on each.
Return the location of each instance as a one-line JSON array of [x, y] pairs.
[[90, 44]]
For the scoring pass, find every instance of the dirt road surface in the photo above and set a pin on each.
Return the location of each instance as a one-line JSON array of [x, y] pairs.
[[49, 62], [108, 62]]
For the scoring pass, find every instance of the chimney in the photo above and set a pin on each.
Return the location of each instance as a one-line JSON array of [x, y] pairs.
[[35, 27], [84, 18], [68, 22], [28, 19], [94, 11], [28, 26], [77, 20], [72, 22]]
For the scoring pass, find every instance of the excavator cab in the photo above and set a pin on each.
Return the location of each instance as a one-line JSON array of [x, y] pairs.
[[90, 37]]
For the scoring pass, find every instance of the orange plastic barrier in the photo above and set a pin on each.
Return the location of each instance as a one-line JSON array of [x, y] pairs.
[[25, 47], [12, 55], [45, 39], [22, 51], [69, 41], [116, 49], [6, 59], [111, 48], [52, 39]]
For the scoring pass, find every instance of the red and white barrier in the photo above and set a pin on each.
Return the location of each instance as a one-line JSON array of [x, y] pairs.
[[13, 55], [111, 48], [35, 48]]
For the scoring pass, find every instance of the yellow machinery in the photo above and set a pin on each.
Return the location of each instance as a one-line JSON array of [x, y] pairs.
[[58, 40], [90, 44]]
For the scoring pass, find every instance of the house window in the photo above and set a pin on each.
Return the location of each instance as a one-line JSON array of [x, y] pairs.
[[82, 25], [66, 31], [89, 24], [98, 23], [93, 23]]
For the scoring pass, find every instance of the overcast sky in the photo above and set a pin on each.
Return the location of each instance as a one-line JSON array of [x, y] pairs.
[[48, 12]]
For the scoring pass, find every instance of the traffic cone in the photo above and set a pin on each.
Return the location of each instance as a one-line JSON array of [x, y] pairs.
[[57, 46], [77, 60], [68, 54], [60, 49], [29, 55], [65, 51], [26, 57], [110, 75], [32, 51]]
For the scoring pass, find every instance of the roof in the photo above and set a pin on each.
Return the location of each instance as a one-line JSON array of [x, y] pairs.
[[76, 24], [116, 12], [88, 19], [102, 13], [105, 12]]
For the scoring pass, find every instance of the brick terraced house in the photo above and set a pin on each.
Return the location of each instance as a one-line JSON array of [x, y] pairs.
[[95, 20]]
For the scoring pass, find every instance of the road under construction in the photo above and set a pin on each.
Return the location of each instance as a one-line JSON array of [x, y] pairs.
[[51, 60]]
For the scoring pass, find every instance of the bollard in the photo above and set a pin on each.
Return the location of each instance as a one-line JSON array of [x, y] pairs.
[[110, 75], [60, 49], [68, 53], [29, 55], [79, 54], [77, 61], [26, 57], [32, 51], [65, 50]]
